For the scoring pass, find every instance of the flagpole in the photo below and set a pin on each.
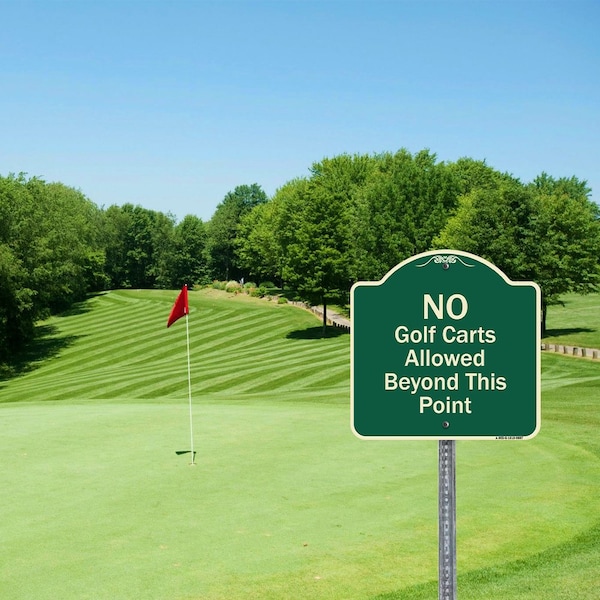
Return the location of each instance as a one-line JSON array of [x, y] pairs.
[[187, 332]]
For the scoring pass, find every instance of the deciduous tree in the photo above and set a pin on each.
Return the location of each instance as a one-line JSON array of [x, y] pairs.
[[319, 245], [223, 229], [547, 232], [404, 204]]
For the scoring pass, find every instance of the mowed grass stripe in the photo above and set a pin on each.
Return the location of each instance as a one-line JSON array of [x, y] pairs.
[[274, 360], [270, 375], [335, 376], [235, 346], [271, 350], [210, 331], [141, 341], [115, 325], [104, 385], [260, 378], [151, 378], [93, 343]]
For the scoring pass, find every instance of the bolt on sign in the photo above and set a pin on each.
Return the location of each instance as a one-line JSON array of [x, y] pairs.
[[445, 347]]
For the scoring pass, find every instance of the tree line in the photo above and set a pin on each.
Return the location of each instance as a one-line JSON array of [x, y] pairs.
[[352, 218], [357, 216]]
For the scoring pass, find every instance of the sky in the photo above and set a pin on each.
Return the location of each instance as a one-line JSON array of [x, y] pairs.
[[172, 104]]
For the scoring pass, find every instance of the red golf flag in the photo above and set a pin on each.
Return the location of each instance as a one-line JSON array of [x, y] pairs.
[[180, 308]]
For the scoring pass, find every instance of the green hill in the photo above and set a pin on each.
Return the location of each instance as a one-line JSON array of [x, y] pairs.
[[284, 502], [116, 346]]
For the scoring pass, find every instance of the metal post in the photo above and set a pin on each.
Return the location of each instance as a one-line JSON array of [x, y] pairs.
[[447, 520]]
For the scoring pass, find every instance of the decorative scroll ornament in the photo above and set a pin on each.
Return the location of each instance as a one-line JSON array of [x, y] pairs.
[[445, 260]]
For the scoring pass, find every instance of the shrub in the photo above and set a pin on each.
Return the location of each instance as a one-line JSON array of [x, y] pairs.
[[219, 285], [233, 286], [282, 300], [258, 292]]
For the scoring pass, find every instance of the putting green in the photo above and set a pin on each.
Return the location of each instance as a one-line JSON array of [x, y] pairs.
[[283, 502]]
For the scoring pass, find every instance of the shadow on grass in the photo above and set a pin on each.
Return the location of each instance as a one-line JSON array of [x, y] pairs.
[[81, 308], [47, 344], [566, 331], [316, 333]]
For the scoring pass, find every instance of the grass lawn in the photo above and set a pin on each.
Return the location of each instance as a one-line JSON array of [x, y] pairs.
[[575, 322], [284, 502]]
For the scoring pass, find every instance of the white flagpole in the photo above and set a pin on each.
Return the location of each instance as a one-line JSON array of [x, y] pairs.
[[187, 332]]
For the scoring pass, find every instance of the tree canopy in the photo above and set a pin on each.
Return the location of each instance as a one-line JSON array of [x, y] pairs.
[[50, 254], [547, 232], [354, 217]]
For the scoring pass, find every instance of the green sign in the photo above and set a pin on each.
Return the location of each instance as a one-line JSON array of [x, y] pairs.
[[445, 346]]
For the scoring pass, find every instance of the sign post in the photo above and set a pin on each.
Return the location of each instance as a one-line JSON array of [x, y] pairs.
[[445, 347], [447, 520]]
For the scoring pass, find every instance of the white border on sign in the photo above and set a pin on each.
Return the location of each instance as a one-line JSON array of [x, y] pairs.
[[468, 255]]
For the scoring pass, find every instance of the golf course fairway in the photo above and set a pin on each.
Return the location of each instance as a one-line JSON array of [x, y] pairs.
[[283, 501]]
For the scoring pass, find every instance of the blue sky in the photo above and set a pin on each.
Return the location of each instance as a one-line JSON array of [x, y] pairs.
[[170, 105]]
